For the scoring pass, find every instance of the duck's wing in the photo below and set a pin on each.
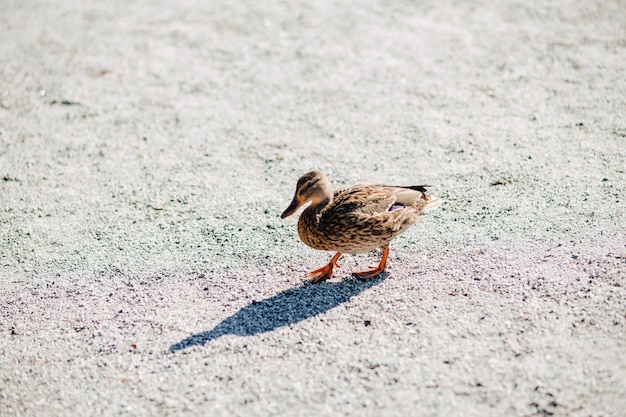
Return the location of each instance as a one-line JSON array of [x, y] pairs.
[[372, 210], [370, 200], [361, 199]]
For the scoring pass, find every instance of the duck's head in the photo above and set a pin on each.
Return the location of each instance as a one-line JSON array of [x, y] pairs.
[[312, 186]]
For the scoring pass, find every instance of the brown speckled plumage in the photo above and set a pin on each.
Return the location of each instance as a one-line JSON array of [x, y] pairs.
[[354, 220]]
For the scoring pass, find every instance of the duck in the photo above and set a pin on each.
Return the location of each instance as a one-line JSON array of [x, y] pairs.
[[353, 220]]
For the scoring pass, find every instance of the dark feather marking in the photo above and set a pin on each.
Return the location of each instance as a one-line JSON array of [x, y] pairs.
[[420, 188]]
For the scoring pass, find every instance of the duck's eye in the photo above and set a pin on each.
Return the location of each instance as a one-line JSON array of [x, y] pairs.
[[309, 185], [303, 188]]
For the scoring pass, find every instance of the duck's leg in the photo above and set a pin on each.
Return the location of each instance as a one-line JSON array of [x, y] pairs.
[[326, 271], [374, 270]]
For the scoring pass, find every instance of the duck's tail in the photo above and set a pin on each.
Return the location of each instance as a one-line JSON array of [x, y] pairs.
[[420, 188], [431, 203]]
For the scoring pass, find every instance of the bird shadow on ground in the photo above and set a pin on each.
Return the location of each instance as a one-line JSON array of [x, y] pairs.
[[285, 308]]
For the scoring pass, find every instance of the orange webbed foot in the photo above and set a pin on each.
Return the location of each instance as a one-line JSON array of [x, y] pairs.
[[325, 272], [321, 274], [374, 271]]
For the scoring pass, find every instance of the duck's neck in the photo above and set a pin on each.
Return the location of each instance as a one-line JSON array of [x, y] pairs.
[[322, 204], [309, 223], [311, 213]]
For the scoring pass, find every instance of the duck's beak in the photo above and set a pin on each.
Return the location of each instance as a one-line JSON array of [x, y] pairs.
[[293, 207]]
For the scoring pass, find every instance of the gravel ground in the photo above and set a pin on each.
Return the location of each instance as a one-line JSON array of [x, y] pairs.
[[147, 149]]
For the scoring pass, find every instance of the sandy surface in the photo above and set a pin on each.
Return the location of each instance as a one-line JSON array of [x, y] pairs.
[[147, 149]]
